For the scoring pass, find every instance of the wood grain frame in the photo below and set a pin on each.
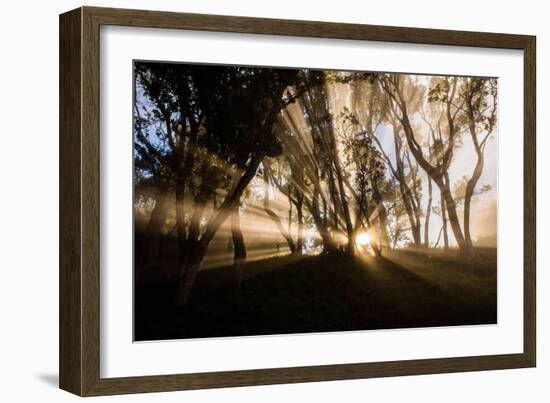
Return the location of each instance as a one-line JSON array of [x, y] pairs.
[[79, 201]]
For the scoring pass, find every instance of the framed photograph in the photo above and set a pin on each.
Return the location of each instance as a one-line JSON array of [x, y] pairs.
[[249, 201]]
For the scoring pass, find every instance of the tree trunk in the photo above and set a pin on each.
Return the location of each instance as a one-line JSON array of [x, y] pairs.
[[444, 219], [376, 247], [438, 237], [384, 226], [180, 218], [410, 214], [455, 224], [239, 247], [396, 235], [151, 240], [188, 272], [428, 212], [329, 246], [335, 201], [274, 217], [185, 163], [470, 187], [415, 201], [289, 217], [344, 203], [313, 207], [382, 216], [406, 194], [300, 214], [197, 250]]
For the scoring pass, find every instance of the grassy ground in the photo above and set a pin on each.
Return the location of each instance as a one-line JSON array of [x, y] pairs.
[[291, 294]]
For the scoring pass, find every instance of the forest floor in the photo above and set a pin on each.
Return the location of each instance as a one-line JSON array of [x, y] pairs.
[[301, 294]]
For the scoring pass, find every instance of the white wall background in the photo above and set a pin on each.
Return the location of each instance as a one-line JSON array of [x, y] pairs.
[[29, 199]]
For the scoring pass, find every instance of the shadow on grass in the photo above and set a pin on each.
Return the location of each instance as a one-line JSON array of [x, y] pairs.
[[302, 294]]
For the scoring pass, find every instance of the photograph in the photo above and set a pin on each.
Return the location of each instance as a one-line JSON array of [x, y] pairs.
[[274, 200]]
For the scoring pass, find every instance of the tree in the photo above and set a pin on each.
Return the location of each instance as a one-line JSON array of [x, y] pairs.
[[320, 118], [373, 111], [480, 99], [366, 116], [368, 167], [302, 182], [274, 217], [153, 173], [444, 92], [215, 118]]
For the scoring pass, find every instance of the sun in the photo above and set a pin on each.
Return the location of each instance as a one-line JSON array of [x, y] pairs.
[[363, 239]]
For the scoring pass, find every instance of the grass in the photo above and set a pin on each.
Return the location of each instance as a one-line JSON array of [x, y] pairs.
[[301, 294]]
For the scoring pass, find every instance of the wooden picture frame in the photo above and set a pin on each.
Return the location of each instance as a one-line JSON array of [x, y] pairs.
[[79, 201]]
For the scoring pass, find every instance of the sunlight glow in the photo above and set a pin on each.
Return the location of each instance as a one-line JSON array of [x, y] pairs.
[[363, 239]]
